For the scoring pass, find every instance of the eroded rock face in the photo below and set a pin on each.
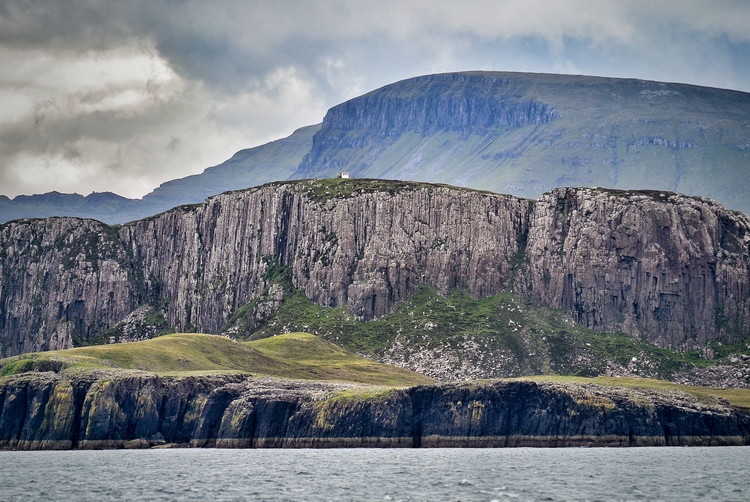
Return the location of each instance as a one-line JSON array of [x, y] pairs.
[[668, 269], [60, 278], [365, 249], [136, 409]]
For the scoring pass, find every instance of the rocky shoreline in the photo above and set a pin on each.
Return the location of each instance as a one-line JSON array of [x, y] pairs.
[[134, 409]]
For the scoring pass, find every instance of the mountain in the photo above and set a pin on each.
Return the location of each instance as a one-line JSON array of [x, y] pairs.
[[517, 133], [525, 134], [254, 166], [508, 286], [105, 206]]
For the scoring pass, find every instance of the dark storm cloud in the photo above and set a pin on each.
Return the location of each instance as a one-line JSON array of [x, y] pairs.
[[146, 91]]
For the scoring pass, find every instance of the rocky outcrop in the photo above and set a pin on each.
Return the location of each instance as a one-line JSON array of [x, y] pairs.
[[734, 374], [367, 247], [53, 411], [466, 103], [61, 278], [668, 269]]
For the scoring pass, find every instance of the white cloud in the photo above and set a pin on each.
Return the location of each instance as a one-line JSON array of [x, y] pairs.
[[150, 138], [123, 96], [66, 84]]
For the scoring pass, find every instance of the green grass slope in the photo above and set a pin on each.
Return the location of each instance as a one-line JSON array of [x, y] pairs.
[[735, 397], [295, 356], [460, 337]]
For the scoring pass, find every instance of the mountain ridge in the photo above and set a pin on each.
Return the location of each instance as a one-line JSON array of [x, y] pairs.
[[516, 133]]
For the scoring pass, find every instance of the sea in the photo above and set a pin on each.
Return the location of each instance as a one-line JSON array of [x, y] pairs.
[[606, 474]]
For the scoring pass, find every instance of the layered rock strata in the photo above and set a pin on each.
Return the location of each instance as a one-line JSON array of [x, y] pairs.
[[53, 411], [61, 278], [365, 249], [668, 269], [671, 270]]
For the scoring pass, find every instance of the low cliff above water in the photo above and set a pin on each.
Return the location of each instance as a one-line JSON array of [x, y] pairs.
[[298, 390], [137, 410]]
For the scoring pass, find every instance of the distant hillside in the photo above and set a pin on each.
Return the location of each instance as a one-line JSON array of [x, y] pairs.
[[247, 168], [525, 134], [515, 133], [255, 166]]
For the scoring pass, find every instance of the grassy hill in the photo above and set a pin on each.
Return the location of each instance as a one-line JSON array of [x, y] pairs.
[[294, 355], [299, 356]]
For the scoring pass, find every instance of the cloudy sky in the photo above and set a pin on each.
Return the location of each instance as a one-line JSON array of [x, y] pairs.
[[97, 95]]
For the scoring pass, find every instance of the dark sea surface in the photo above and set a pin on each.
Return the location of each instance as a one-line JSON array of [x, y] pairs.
[[376, 474]]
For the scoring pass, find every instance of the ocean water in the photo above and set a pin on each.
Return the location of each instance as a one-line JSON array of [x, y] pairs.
[[605, 474]]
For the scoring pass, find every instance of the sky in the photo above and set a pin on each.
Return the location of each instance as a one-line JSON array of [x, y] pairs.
[[97, 95]]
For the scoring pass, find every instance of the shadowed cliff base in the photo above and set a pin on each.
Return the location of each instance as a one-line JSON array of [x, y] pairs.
[[139, 410]]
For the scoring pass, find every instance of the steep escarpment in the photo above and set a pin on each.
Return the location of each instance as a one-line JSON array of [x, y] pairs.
[[525, 134], [54, 411], [462, 104], [668, 269], [455, 102], [61, 279], [358, 243]]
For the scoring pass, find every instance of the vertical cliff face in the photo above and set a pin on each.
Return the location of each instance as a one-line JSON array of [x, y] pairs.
[[61, 278], [463, 104], [669, 269], [343, 242], [51, 411]]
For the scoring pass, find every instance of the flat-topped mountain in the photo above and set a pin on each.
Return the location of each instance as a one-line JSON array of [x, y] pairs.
[[516, 133], [525, 134]]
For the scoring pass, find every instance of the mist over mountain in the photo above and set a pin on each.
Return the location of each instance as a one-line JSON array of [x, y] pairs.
[[515, 133]]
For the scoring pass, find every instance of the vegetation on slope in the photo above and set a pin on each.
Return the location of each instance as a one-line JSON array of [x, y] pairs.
[[294, 355], [324, 189], [460, 337], [605, 132]]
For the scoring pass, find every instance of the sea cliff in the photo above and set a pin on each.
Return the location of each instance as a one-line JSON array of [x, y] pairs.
[[138, 409], [662, 267]]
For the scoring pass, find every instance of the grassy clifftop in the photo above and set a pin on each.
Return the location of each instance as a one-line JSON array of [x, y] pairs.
[[294, 355]]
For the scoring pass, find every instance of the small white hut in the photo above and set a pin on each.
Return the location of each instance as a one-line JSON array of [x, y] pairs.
[[343, 174]]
